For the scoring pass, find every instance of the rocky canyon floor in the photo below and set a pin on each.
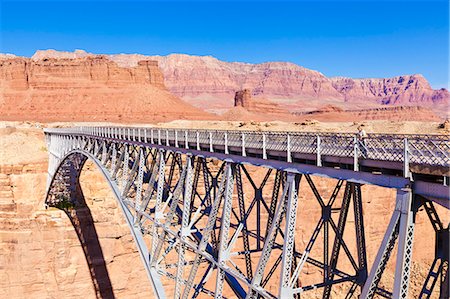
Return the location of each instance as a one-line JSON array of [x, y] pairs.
[[41, 257]]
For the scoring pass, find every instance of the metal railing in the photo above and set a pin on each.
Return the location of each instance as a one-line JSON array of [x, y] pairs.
[[430, 150]]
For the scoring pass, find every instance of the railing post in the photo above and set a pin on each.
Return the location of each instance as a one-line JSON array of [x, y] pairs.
[[355, 154], [176, 138], [318, 152], [264, 146], [186, 142], [406, 172], [226, 142], [151, 135], [198, 140], [145, 136], [167, 138], [243, 145], [159, 136], [288, 150], [211, 149]]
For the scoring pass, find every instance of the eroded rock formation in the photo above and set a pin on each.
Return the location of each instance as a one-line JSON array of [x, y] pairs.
[[243, 98], [86, 88]]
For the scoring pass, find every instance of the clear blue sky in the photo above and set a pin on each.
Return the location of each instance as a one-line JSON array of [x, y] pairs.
[[353, 38]]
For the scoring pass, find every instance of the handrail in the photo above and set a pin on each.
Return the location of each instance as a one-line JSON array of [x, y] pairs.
[[422, 149]]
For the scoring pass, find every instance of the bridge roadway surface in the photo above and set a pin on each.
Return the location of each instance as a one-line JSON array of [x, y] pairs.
[[417, 161], [417, 166]]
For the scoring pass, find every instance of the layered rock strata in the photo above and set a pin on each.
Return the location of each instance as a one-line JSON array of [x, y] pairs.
[[88, 88]]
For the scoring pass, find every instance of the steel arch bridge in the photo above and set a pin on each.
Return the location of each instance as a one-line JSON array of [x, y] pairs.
[[201, 218]]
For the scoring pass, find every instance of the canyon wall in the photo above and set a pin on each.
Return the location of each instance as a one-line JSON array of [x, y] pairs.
[[190, 76], [210, 84]]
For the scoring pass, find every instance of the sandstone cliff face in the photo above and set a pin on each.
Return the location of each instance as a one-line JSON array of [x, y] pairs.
[[194, 76], [412, 89], [53, 74], [190, 76], [86, 88]]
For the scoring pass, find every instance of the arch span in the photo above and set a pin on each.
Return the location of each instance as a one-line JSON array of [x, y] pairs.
[[65, 193]]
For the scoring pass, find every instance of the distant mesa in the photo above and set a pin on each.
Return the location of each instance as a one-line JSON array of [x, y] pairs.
[[83, 87]]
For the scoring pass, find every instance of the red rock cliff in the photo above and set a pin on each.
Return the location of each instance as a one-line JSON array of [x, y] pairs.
[[86, 88]]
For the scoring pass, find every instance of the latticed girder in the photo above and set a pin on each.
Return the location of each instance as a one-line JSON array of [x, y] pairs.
[[223, 229]]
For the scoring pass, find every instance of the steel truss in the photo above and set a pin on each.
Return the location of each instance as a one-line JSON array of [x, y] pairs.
[[214, 228]]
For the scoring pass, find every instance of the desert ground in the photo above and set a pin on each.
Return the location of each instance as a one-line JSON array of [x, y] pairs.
[[40, 255]]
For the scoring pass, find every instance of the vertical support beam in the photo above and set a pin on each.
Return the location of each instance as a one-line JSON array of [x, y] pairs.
[[285, 290], [159, 137], [113, 159], [176, 138], [184, 233], [405, 244], [186, 141], [140, 181], [167, 138], [125, 167], [385, 250], [159, 196], [103, 152], [360, 235], [223, 254]]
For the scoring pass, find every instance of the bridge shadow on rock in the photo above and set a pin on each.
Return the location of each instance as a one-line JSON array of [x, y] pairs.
[[66, 195]]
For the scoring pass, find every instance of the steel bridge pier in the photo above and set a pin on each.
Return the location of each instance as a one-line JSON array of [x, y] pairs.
[[223, 226]]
